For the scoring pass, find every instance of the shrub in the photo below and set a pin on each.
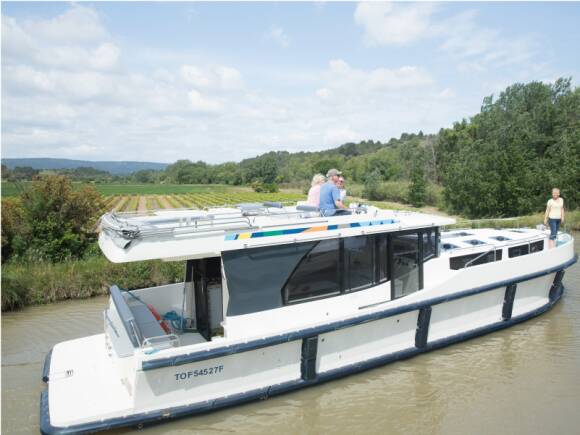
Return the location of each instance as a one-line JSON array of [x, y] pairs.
[[261, 187], [53, 221]]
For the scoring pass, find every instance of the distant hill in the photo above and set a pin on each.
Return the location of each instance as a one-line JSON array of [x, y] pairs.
[[115, 168]]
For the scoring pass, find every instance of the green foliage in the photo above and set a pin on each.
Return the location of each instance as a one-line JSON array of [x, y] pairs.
[[265, 187], [55, 221], [371, 187], [506, 159], [418, 189], [38, 282], [12, 237]]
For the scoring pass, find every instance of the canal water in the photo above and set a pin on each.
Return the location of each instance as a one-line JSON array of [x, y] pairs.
[[522, 380]]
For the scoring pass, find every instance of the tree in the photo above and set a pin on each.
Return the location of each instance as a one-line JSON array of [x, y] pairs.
[[58, 222], [418, 189]]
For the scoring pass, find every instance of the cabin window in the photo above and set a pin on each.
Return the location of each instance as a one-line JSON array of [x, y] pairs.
[[359, 259], [517, 251], [269, 277], [537, 246], [456, 263], [405, 261], [382, 258], [317, 275], [255, 277], [429, 241]]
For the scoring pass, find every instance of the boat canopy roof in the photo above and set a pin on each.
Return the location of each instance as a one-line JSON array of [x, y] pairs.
[[187, 233]]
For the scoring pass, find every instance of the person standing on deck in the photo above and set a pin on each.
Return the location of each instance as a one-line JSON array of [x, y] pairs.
[[554, 215], [330, 202]]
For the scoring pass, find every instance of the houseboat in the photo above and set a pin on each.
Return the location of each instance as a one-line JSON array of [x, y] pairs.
[[276, 298]]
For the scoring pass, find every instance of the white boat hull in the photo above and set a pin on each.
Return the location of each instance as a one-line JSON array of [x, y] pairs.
[[102, 394]]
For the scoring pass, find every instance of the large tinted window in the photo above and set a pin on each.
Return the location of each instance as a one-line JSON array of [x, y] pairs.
[[405, 272], [317, 274], [255, 277], [359, 260]]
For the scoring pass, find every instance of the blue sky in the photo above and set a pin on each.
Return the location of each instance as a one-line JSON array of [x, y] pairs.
[[226, 81]]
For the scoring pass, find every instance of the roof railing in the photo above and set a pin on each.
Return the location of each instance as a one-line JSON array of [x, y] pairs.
[[130, 226]]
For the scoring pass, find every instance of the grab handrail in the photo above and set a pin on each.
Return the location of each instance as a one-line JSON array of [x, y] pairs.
[[125, 315]]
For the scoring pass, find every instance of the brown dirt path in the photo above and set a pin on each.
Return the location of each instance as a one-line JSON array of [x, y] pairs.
[[162, 201], [142, 207], [120, 203]]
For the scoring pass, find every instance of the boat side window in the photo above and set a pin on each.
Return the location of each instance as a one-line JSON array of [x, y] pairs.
[[537, 246], [382, 257], [429, 241], [256, 276], [456, 263], [405, 261], [317, 275], [517, 251], [359, 262]]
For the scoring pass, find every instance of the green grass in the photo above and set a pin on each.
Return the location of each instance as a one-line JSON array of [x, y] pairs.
[[12, 189]]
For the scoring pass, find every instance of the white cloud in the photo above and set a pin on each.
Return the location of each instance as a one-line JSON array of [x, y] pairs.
[[338, 135], [79, 23], [85, 98], [203, 104], [342, 78], [277, 34], [476, 48], [388, 23], [216, 78]]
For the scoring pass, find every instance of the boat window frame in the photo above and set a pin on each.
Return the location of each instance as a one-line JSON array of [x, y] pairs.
[[497, 256], [434, 231]]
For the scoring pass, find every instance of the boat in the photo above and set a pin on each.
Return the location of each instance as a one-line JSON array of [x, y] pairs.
[[276, 297]]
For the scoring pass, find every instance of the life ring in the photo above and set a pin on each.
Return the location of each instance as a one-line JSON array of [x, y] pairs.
[[161, 322]]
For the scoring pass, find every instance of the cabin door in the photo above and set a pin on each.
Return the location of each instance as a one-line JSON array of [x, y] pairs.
[[203, 277], [202, 320]]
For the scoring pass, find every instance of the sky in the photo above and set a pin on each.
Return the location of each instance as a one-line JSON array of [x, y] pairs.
[[226, 81]]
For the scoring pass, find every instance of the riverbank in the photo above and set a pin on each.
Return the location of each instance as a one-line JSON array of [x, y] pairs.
[[31, 282]]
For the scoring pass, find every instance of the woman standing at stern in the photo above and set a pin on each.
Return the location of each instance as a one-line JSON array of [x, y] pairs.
[[554, 215]]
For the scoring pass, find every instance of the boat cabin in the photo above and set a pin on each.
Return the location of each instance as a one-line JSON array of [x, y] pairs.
[[244, 265]]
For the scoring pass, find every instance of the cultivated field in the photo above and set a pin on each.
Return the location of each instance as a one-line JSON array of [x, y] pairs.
[[127, 203], [143, 197]]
